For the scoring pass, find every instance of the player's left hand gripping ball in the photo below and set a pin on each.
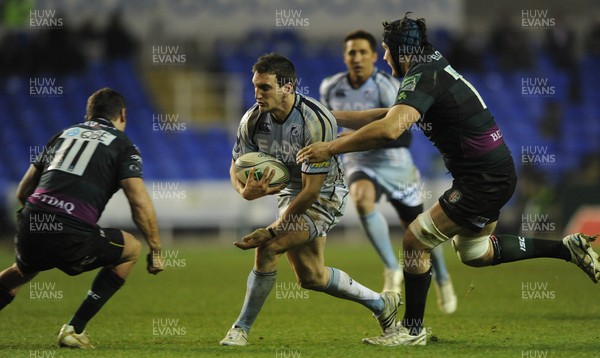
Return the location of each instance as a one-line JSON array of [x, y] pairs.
[[254, 239]]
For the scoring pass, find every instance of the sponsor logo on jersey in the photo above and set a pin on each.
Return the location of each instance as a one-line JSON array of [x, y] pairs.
[[496, 135], [454, 196], [136, 157], [101, 136], [320, 165], [52, 201], [264, 127], [72, 132], [340, 93], [295, 131], [135, 168], [409, 83]]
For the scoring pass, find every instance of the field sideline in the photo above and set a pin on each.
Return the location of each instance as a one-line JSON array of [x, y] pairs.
[[542, 308]]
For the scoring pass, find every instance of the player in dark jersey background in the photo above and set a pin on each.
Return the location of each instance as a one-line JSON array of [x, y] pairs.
[[458, 122], [389, 170], [63, 193]]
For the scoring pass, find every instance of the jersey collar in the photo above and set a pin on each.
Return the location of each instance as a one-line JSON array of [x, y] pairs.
[[103, 121]]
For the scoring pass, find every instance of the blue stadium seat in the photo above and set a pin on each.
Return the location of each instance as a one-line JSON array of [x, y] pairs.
[[204, 154]]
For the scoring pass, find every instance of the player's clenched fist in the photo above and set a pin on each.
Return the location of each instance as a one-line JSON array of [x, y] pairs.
[[314, 153], [155, 263]]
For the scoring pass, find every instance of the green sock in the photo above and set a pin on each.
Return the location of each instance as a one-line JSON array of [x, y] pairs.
[[416, 287], [509, 248]]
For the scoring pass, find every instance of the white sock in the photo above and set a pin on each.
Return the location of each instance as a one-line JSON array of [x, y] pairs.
[[343, 286]]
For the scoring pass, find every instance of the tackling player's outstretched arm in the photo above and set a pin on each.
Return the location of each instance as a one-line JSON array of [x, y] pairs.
[[28, 183], [374, 135], [358, 119], [142, 211]]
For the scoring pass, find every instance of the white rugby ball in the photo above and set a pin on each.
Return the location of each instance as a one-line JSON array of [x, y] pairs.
[[261, 161]]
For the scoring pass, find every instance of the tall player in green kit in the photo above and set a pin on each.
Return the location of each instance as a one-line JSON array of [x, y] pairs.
[[280, 123], [388, 170], [464, 131]]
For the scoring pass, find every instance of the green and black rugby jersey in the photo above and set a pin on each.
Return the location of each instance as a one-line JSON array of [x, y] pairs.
[[81, 168], [454, 117]]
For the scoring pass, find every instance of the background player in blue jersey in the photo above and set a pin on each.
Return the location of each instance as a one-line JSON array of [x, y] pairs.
[[64, 193], [388, 170], [280, 123], [459, 124]]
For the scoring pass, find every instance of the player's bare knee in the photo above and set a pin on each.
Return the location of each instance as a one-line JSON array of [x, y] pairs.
[[132, 247], [268, 251], [136, 247], [363, 206], [410, 242]]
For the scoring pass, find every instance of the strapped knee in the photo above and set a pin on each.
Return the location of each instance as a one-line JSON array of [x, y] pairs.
[[424, 230], [471, 248]]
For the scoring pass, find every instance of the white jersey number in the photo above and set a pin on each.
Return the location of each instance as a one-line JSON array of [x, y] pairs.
[[73, 155], [458, 76]]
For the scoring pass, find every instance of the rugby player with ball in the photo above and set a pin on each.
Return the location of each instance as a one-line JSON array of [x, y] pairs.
[[280, 123]]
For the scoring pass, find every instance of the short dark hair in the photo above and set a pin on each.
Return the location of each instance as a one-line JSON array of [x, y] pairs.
[[280, 66], [362, 34], [105, 103]]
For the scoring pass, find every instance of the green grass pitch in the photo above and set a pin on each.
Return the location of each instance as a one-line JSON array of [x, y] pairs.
[[540, 308]]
